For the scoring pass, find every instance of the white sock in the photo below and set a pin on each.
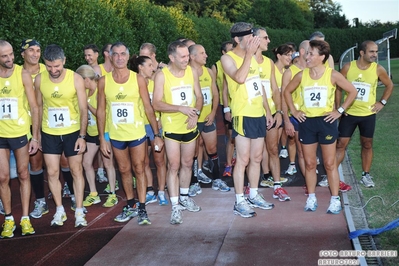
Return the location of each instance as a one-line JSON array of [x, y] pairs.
[[253, 192], [174, 200], [79, 211], [312, 195], [240, 198], [60, 209], [100, 170]]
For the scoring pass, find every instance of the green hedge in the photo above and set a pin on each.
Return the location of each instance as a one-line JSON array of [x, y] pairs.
[[75, 23]]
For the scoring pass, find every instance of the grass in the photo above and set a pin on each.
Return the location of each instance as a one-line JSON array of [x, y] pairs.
[[384, 169]]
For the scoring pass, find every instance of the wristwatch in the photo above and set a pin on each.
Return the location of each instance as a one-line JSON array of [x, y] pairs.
[[82, 137], [198, 112], [341, 110], [383, 102], [280, 112], [158, 135]]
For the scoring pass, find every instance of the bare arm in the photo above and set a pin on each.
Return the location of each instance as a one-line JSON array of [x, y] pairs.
[[30, 95], [240, 74], [289, 89], [149, 111], [101, 117], [80, 144], [338, 92], [289, 128], [39, 101], [385, 79], [215, 99]]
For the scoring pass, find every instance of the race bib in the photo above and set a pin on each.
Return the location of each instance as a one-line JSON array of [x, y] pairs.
[[9, 108], [91, 119], [59, 117], [363, 91], [122, 113], [207, 95], [254, 87], [315, 96], [182, 95], [268, 88]]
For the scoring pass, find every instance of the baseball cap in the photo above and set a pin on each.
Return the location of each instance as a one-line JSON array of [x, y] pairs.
[[294, 55], [25, 44]]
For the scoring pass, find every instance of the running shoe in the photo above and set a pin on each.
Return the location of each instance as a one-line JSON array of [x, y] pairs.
[[40, 209], [8, 229], [90, 200], [101, 178], [367, 180], [126, 214], [176, 215], [1, 208], [58, 219], [324, 181], [142, 218], [80, 220], [246, 191], [281, 194], [195, 168], [335, 206], [203, 178], [108, 188], [65, 191], [111, 201], [73, 206], [207, 166], [162, 200], [189, 204], [194, 190], [243, 209], [283, 153], [150, 198], [219, 184], [311, 204], [228, 170], [291, 169], [26, 227], [343, 187], [270, 181], [260, 202]]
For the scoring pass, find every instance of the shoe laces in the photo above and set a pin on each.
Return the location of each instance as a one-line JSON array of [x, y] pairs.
[[8, 224]]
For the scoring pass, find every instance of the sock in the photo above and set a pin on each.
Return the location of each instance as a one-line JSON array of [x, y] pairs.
[[100, 170], [37, 181], [24, 217], [41, 199], [335, 198], [183, 193], [174, 200], [277, 185], [142, 206], [266, 176], [365, 173], [215, 166], [79, 211], [161, 193], [94, 194], [66, 173], [283, 147], [60, 209], [9, 217], [240, 198], [253, 192], [131, 203], [312, 195], [292, 163], [150, 191]]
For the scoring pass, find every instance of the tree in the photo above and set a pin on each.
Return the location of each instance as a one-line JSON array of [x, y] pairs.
[[277, 14], [327, 14]]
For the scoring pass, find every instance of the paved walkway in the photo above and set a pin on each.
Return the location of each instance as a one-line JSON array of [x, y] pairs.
[[285, 235]]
